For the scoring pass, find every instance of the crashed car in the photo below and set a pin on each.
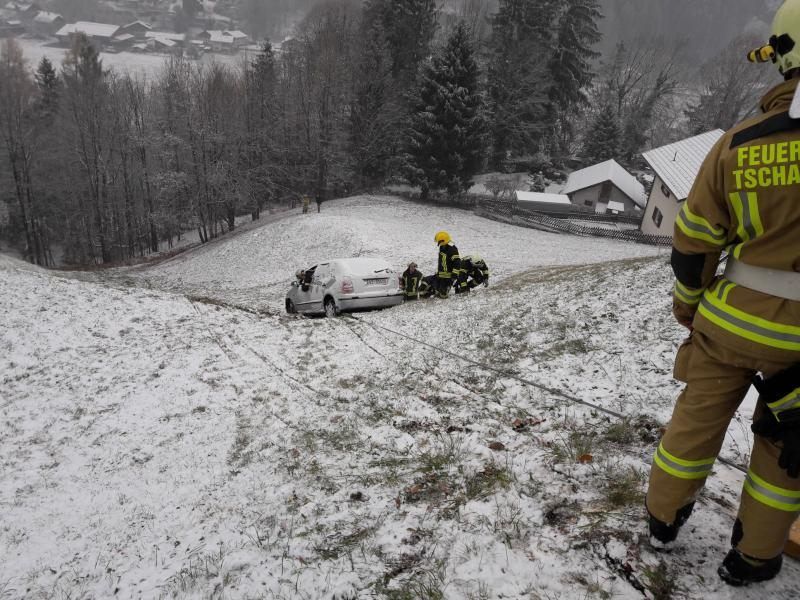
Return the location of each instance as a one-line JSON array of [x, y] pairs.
[[344, 285]]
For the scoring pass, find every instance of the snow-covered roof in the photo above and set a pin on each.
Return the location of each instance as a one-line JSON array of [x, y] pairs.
[[678, 164], [236, 34], [542, 198], [101, 30], [165, 42], [21, 6], [165, 35], [362, 265], [47, 17], [135, 23], [607, 171], [616, 206], [219, 36], [124, 37]]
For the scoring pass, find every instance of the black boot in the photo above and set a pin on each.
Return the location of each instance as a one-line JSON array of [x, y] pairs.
[[662, 535], [739, 570]]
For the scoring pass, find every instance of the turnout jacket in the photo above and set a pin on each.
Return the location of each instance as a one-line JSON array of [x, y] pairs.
[[746, 202], [411, 283], [449, 264]]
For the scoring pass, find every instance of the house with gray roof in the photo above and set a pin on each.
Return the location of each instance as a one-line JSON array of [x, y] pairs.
[[98, 33], [595, 187], [676, 167]]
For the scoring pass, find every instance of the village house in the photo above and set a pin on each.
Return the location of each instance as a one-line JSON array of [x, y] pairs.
[[137, 29], [24, 10], [224, 40], [47, 23], [100, 34], [165, 41], [541, 202], [676, 167], [605, 188]]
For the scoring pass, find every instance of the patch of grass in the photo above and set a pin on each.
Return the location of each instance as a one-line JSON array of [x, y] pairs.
[[624, 487], [340, 545], [429, 584], [641, 429], [594, 587], [570, 448], [448, 452], [660, 582], [238, 455], [484, 483], [199, 570]]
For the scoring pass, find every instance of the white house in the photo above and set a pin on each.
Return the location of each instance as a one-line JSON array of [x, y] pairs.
[[597, 186], [224, 40], [47, 23], [676, 167], [543, 202], [98, 33]]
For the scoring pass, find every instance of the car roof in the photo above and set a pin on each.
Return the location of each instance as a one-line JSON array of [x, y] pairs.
[[361, 264]]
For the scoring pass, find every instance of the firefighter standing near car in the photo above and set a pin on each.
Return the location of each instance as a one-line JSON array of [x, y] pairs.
[[448, 270], [746, 200], [412, 282]]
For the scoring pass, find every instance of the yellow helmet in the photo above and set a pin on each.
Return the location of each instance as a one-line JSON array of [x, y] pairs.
[[442, 238], [784, 45]]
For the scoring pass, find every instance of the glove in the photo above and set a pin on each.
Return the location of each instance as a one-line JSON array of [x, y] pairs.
[[684, 314], [786, 434]]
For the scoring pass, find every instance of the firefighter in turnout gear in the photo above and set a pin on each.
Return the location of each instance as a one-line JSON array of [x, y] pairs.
[[448, 271], [476, 271], [412, 282], [744, 324]]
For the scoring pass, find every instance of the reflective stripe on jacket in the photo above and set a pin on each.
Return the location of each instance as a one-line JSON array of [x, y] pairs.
[[746, 201], [449, 264], [411, 283]]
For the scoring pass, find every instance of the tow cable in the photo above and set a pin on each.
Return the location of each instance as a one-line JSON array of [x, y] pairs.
[[505, 373]]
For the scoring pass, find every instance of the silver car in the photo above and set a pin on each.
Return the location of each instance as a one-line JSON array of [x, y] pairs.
[[345, 285]]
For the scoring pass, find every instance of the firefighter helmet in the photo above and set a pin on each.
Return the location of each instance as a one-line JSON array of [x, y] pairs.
[[442, 238], [784, 46]]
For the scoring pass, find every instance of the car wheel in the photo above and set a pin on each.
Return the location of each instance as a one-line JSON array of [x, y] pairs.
[[290, 307], [331, 310]]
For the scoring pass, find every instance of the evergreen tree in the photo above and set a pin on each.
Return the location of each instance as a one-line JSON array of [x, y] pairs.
[[570, 68], [571, 64], [395, 39], [409, 27], [604, 139], [377, 110], [518, 79], [48, 85], [447, 128]]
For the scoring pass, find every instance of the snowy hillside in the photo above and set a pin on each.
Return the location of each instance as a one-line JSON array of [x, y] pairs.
[[255, 268], [157, 447]]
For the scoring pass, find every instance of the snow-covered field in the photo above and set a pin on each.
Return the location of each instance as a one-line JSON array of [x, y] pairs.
[[140, 64], [159, 447]]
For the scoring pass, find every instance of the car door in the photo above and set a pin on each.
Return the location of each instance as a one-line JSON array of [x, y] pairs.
[[322, 276], [305, 298]]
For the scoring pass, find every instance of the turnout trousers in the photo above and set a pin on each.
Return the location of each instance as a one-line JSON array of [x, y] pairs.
[[718, 379]]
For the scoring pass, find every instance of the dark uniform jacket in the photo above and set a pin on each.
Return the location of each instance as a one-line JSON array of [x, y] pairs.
[[449, 264], [411, 283]]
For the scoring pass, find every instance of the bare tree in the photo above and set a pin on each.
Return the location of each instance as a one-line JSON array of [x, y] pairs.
[[20, 130], [729, 88]]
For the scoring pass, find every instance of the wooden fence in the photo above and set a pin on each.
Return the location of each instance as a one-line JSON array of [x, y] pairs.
[[507, 210]]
